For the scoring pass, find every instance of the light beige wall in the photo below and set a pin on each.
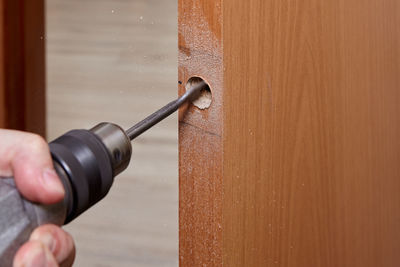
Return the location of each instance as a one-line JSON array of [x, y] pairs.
[[117, 61]]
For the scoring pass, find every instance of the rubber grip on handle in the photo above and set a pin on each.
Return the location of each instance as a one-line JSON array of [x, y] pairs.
[[19, 217]]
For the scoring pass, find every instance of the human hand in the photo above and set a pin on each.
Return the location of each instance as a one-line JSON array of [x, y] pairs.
[[26, 157]]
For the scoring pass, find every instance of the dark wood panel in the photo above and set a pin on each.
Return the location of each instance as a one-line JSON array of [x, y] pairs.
[[23, 63], [2, 81]]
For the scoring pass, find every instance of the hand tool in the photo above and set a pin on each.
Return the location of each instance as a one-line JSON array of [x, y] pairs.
[[86, 162]]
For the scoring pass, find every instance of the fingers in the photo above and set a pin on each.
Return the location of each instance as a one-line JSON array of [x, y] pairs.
[[34, 254], [26, 156], [57, 240], [49, 244]]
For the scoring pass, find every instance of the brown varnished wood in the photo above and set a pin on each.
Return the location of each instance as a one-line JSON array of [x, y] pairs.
[[2, 82], [35, 66], [23, 65], [310, 137]]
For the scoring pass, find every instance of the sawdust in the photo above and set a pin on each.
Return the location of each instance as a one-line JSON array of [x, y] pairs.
[[205, 98]]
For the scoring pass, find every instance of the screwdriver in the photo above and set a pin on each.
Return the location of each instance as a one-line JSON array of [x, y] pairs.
[[86, 162]]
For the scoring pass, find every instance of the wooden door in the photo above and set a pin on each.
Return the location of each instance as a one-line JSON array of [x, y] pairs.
[[297, 160], [22, 65]]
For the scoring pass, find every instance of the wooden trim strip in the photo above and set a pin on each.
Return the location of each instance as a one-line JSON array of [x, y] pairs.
[[200, 136], [23, 65]]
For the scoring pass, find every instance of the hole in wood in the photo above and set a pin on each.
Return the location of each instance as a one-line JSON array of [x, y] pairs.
[[205, 98]]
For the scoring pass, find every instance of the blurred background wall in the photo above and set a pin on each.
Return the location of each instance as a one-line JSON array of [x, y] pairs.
[[116, 60]]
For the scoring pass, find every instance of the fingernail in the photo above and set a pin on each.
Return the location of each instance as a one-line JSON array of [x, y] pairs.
[[46, 239], [52, 182]]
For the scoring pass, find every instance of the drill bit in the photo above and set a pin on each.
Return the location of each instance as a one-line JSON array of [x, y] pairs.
[[164, 112]]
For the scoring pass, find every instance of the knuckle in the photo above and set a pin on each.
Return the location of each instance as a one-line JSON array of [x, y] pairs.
[[45, 229], [38, 232], [36, 142]]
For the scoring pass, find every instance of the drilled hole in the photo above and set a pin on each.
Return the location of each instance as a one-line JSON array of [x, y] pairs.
[[205, 98]]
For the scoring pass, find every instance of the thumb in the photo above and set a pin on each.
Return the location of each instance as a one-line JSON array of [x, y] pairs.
[[27, 157]]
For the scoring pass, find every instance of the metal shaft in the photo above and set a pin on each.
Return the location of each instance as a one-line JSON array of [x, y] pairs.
[[164, 112]]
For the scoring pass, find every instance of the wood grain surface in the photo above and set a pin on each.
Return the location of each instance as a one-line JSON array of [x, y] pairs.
[[23, 65], [308, 171], [200, 136]]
